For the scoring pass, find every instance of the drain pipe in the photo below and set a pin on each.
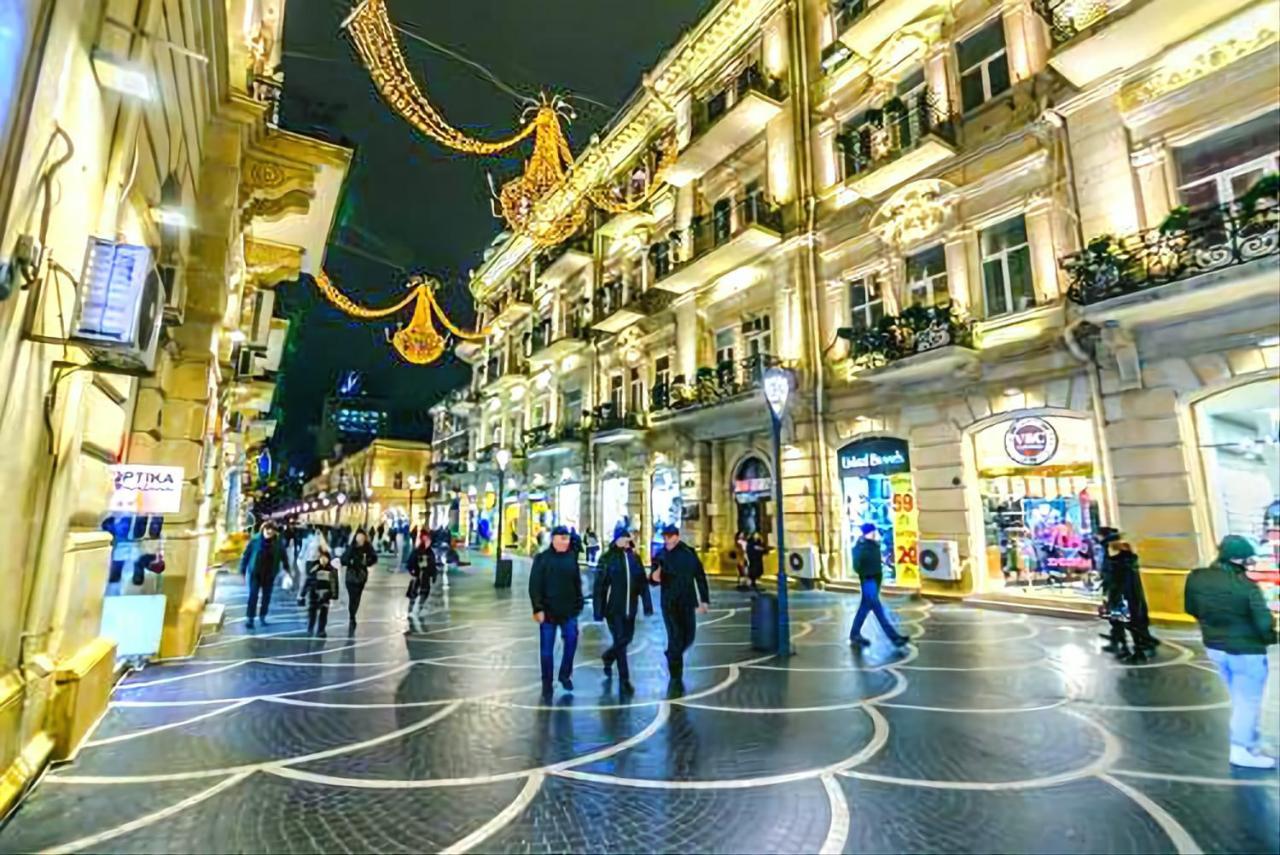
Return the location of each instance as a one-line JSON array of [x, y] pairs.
[[804, 164], [1081, 340]]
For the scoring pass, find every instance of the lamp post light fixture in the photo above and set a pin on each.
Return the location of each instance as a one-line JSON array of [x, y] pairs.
[[777, 391], [502, 457]]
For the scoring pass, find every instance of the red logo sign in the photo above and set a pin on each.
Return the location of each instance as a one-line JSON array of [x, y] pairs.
[[1031, 441]]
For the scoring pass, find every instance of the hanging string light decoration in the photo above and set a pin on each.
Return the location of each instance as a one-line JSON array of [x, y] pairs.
[[417, 341], [517, 202]]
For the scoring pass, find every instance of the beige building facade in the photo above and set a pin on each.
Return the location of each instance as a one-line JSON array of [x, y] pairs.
[[1020, 257], [386, 483], [143, 130]]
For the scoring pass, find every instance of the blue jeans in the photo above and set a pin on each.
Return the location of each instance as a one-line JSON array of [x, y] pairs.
[[547, 645], [1246, 677], [870, 603]]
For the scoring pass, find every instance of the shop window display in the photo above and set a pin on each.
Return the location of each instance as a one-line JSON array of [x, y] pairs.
[[614, 492], [665, 503], [1041, 502], [1239, 442], [569, 505], [877, 488]]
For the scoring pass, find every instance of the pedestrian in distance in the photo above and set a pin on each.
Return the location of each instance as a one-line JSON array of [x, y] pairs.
[[358, 560], [424, 567], [320, 589], [756, 550], [870, 569], [1126, 602], [620, 589], [262, 560], [679, 573], [740, 560], [555, 593], [592, 546], [1237, 628]]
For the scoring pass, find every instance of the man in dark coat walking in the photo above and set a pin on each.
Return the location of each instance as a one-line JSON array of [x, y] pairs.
[[619, 590], [684, 592], [264, 557], [1126, 603], [870, 568], [555, 592]]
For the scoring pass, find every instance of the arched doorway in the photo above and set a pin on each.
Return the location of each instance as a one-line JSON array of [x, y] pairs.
[[752, 492]]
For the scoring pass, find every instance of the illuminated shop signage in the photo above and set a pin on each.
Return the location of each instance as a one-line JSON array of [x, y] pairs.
[[874, 457], [141, 489], [1031, 441]]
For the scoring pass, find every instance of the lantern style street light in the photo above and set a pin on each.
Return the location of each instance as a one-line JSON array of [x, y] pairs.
[[503, 458], [777, 391]]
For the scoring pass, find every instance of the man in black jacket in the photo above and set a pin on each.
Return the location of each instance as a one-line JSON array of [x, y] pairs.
[[684, 591], [620, 588], [555, 592], [261, 560], [869, 565]]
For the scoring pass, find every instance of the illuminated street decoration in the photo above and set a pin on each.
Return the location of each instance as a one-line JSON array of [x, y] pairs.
[[418, 341], [544, 173]]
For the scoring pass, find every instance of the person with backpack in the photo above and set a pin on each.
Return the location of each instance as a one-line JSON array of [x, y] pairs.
[[320, 589], [620, 589], [358, 560], [1237, 628]]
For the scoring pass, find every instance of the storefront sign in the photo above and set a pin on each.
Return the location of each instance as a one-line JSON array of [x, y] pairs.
[[753, 485], [906, 530], [139, 489], [865, 457], [1031, 441]]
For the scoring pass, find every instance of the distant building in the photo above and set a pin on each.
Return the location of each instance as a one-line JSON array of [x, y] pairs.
[[349, 423]]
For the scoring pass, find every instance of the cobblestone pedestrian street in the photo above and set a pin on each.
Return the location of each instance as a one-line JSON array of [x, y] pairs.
[[992, 732]]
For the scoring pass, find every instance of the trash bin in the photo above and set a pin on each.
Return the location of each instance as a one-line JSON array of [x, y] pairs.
[[502, 574], [764, 623]]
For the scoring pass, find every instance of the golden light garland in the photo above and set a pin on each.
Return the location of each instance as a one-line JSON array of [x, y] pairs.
[[375, 40], [417, 341]]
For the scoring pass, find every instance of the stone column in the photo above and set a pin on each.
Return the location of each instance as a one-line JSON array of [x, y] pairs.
[[1025, 38], [1151, 164], [961, 250], [1044, 261], [687, 339], [1105, 192]]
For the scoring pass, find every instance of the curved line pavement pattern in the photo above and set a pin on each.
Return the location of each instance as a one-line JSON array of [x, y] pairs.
[[991, 732]]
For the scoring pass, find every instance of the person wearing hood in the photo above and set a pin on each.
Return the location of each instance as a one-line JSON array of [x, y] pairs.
[[1126, 602], [555, 592], [685, 594], [620, 588], [869, 565], [1237, 628], [320, 589], [264, 557], [358, 560]]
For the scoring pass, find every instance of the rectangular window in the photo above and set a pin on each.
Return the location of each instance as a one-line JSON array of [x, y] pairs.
[[615, 394], [757, 334], [927, 277], [662, 371], [539, 414], [984, 65], [1222, 168], [572, 406], [635, 391], [726, 350], [866, 304], [1006, 268]]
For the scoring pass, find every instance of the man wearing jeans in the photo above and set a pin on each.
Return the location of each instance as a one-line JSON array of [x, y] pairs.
[[870, 568], [259, 564], [1237, 628], [555, 592]]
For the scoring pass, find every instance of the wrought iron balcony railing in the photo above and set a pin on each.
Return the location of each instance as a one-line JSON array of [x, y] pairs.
[[1068, 18], [709, 110], [267, 90], [894, 129], [712, 231], [545, 435], [726, 381], [1187, 244], [918, 329], [606, 418]]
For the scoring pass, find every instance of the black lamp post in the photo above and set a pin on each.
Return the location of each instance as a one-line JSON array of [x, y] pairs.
[[777, 389], [502, 457]]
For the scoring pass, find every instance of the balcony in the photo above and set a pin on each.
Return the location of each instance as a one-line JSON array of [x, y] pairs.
[[1195, 261], [922, 343], [608, 426], [899, 141], [570, 341], [1094, 38], [725, 383], [470, 352], [565, 260], [460, 402], [864, 25], [713, 245], [512, 307], [546, 441], [503, 378], [615, 312], [726, 122]]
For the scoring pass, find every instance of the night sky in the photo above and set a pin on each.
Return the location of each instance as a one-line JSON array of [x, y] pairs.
[[411, 204]]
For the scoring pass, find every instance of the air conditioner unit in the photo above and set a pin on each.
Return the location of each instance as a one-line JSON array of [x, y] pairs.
[[119, 306], [939, 560], [264, 303], [802, 562], [175, 292]]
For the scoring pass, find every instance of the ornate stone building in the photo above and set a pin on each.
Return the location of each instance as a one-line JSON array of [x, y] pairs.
[[147, 131], [1021, 257]]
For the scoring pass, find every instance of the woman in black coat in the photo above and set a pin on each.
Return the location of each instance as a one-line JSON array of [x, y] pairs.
[[358, 560], [423, 569], [755, 559]]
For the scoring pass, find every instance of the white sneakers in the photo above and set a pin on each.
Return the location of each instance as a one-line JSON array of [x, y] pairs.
[[1243, 757]]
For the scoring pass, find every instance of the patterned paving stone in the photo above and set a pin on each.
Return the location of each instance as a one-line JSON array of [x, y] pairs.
[[1227, 818]]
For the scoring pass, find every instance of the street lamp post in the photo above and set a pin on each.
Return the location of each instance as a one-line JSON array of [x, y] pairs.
[[502, 457], [777, 389], [413, 485]]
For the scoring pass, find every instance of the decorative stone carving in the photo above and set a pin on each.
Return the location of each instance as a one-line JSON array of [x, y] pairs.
[[914, 212], [269, 263]]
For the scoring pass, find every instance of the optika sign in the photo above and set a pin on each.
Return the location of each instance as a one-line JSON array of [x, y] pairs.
[[139, 489], [1031, 441]]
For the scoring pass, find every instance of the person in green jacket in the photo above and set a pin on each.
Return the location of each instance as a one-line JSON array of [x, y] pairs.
[[1237, 628]]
